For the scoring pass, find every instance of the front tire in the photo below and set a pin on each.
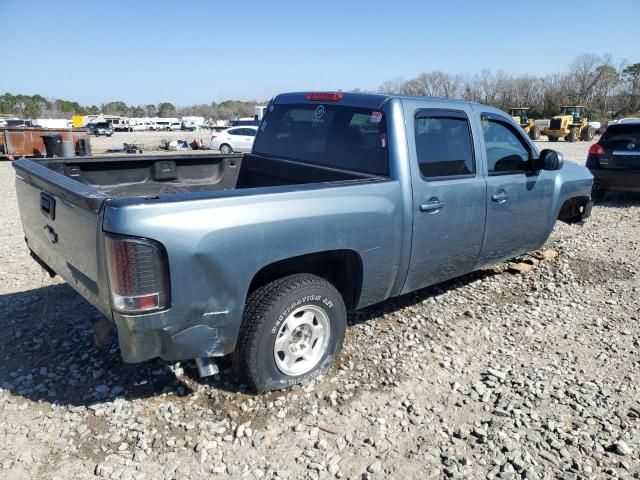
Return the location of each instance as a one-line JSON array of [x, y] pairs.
[[588, 133], [534, 133], [292, 330], [573, 135], [226, 149]]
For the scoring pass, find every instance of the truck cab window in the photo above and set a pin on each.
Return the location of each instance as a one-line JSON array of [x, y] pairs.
[[443, 145], [331, 135], [506, 152]]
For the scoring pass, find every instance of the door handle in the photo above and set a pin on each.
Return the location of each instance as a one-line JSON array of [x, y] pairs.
[[500, 197], [431, 206]]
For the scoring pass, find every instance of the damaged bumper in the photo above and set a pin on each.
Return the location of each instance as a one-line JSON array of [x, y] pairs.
[[148, 336]]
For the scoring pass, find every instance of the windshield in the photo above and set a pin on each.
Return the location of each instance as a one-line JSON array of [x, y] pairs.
[[326, 134], [575, 111]]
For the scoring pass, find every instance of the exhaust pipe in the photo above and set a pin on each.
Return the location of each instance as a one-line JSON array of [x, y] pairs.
[[206, 366]]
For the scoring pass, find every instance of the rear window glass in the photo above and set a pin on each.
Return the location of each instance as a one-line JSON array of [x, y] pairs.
[[623, 133], [326, 134], [102, 125]]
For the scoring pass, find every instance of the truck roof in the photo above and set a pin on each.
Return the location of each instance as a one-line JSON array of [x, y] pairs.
[[371, 100]]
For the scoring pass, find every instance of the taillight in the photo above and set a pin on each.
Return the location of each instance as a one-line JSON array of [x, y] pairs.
[[138, 274], [324, 97], [597, 149]]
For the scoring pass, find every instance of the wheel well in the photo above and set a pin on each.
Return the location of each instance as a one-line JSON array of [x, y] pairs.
[[571, 210], [342, 268]]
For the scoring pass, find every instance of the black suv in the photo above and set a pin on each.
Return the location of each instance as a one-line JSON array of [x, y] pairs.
[[615, 160]]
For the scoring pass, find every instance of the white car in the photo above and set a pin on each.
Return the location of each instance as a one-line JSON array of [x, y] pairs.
[[234, 139]]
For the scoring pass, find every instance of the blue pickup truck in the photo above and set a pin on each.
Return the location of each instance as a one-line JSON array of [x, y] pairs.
[[346, 199]]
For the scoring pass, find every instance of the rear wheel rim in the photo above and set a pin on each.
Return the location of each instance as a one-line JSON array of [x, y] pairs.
[[302, 340]]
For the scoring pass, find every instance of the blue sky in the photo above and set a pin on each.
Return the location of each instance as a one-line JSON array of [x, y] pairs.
[[190, 52]]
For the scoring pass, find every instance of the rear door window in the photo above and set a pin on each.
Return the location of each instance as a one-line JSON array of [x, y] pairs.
[[331, 135], [443, 144]]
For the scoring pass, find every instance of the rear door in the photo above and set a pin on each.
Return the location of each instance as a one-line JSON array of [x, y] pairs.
[[519, 200], [449, 196]]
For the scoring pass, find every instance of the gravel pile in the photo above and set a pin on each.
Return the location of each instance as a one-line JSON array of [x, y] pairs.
[[493, 375]]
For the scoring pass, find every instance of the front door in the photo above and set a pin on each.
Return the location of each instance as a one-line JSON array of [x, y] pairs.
[[449, 197], [519, 200]]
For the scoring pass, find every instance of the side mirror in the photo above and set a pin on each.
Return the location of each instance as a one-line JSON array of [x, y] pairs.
[[550, 160]]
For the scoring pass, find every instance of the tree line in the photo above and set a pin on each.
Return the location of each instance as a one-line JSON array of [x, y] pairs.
[[36, 106], [608, 89]]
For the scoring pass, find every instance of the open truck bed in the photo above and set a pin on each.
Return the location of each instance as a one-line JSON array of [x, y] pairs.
[[70, 205], [155, 175]]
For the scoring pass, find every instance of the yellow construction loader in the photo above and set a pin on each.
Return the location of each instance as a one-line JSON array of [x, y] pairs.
[[572, 124], [519, 114]]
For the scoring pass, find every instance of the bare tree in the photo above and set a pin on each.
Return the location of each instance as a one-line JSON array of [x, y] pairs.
[[391, 86]]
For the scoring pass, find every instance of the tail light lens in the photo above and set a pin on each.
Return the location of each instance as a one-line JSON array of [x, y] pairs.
[[138, 274], [597, 149]]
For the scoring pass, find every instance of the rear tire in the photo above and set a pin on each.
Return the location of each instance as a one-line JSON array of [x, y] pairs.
[[276, 346], [226, 149], [588, 133], [534, 133]]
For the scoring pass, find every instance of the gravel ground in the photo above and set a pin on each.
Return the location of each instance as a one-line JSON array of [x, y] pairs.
[[493, 375]]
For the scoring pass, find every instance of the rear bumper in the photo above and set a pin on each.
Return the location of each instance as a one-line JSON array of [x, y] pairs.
[[143, 337], [154, 335], [621, 180]]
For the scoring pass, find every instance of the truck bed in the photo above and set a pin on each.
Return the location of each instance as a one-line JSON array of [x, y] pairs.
[[151, 176], [62, 201]]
